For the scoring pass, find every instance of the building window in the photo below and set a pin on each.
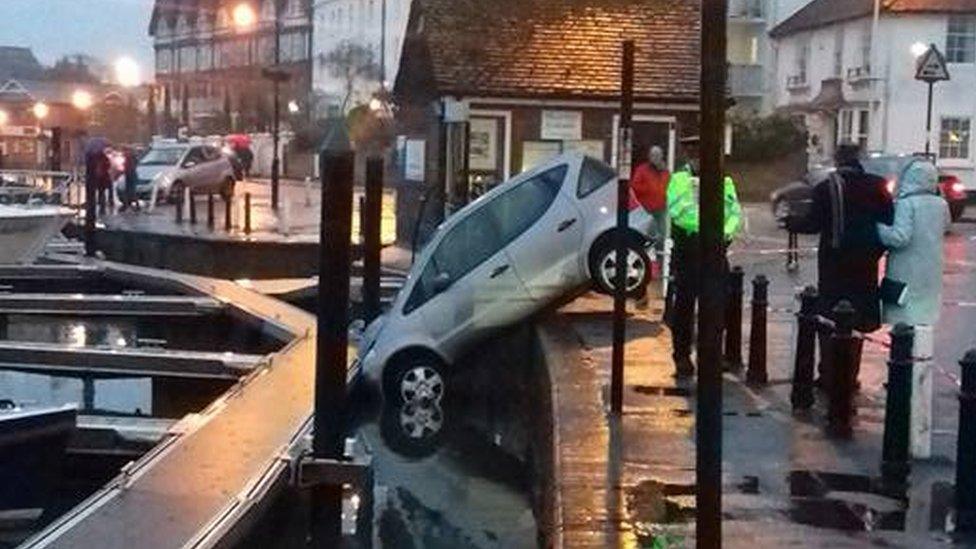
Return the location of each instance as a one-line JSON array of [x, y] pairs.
[[954, 137], [802, 60], [854, 127], [961, 39], [866, 49], [163, 61]]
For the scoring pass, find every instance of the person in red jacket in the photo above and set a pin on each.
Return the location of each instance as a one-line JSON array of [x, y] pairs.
[[649, 188]]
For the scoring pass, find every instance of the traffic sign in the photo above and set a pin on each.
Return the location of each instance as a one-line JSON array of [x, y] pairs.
[[932, 66]]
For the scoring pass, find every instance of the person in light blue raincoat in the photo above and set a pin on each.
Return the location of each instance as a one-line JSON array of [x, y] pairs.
[[914, 241]]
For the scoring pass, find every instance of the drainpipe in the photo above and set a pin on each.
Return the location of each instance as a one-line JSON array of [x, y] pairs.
[[873, 60]]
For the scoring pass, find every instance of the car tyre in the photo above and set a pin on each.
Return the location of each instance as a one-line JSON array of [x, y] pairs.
[[414, 377], [413, 430], [602, 262]]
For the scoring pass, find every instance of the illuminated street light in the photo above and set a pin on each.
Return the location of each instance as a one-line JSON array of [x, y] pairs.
[[82, 100], [244, 16], [293, 107], [4, 118], [127, 72], [41, 110], [919, 49]]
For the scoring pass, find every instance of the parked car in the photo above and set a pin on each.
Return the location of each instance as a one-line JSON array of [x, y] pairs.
[[520, 247], [795, 198], [175, 166]]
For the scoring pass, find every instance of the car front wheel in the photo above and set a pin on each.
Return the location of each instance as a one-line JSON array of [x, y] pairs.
[[417, 378], [603, 267]]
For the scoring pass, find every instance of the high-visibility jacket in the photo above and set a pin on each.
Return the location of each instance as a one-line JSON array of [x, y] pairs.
[[683, 204]]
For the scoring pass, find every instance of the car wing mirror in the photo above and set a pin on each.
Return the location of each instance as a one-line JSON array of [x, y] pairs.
[[189, 164], [441, 282]]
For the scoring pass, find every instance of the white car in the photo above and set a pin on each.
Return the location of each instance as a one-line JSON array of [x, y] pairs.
[[515, 250], [174, 166]]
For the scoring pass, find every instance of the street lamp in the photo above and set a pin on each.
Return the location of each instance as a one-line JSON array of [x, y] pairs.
[[81, 100], [127, 72], [293, 107], [4, 118], [41, 110], [919, 48], [244, 16]]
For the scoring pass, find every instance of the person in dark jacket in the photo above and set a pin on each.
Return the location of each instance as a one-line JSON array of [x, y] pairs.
[[846, 209]]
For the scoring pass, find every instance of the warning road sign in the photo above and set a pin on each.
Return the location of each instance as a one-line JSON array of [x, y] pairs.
[[932, 66]]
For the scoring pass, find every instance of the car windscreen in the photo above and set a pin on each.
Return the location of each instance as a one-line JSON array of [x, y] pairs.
[[885, 166], [162, 156]]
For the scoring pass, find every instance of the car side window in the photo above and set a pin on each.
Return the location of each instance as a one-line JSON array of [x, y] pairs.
[[210, 154], [593, 175], [195, 155], [516, 210], [466, 246]]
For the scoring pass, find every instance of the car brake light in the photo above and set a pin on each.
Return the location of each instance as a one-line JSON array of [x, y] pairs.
[[890, 187]]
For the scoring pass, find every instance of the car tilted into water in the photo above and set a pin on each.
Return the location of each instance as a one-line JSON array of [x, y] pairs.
[[519, 248]]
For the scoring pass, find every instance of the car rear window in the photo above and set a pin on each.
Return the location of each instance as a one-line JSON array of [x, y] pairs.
[[593, 175]]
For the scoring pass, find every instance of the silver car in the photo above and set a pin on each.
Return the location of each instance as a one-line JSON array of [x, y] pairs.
[[519, 248], [175, 166]]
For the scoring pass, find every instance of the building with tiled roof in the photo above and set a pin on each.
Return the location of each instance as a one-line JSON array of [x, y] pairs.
[[852, 77], [519, 81]]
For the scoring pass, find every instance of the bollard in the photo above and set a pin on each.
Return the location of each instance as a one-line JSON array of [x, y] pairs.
[[193, 208], [966, 447], [89, 215], [806, 336], [757, 335], [247, 213], [372, 245], [841, 374], [792, 254], [362, 219], [733, 321], [898, 408], [228, 211], [179, 208], [210, 211]]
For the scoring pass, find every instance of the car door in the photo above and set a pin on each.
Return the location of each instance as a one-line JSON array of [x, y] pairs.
[[543, 231], [214, 167], [482, 293], [192, 168]]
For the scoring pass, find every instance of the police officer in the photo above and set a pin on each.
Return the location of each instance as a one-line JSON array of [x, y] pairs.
[[682, 199]]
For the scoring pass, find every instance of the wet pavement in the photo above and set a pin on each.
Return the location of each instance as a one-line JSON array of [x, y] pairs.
[[631, 482], [297, 219]]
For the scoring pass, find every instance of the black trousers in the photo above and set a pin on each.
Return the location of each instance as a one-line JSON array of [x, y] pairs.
[[686, 285]]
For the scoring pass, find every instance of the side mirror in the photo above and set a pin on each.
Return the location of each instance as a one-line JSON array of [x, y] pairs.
[[189, 164], [441, 282]]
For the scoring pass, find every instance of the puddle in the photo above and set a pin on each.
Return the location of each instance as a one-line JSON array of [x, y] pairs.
[[846, 502], [663, 391]]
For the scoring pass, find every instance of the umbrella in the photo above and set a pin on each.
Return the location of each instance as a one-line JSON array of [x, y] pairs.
[[238, 140], [96, 145]]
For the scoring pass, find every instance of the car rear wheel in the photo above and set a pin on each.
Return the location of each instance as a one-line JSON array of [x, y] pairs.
[[603, 266], [176, 191], [416, 377]]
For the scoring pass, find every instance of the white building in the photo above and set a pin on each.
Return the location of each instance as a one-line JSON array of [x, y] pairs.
[[749, 52], [377, 25], [851, 76]]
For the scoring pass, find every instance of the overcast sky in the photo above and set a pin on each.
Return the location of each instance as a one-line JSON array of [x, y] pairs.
[[107, 29]]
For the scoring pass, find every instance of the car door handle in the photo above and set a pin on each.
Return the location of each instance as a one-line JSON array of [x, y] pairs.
[[499, 271], [566, 224]]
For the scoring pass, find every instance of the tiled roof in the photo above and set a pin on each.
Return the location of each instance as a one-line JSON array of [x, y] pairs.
[[555, 48], [819, 13]]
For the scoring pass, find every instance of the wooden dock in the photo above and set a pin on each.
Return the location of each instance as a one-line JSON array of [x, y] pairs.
[[201, 485]]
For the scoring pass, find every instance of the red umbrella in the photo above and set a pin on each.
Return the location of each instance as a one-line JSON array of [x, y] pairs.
[[238, 140]]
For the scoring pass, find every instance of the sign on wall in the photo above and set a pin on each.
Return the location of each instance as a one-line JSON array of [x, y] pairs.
[[562, 125], [414, 161], [483, 145]]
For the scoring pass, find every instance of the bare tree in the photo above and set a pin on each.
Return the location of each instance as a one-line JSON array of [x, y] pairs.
[[351, 62]]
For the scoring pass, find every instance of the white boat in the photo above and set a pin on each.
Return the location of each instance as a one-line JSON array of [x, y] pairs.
[[24, 230]]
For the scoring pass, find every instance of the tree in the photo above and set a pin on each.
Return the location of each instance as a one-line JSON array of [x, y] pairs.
[[351, 62], [75, 68]]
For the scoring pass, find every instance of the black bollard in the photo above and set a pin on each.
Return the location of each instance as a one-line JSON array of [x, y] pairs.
[[757, 335], [179, 208], [792, 255], [806, 336], [247, 213], [193, 208], [898, 411], [841, 374], [372, 218], [733, 321], [210, 211], [89, 211], [966, 448], [228, 205]]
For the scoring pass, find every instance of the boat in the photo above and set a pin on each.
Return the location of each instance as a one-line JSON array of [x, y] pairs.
[[32, 450], [25, 229]]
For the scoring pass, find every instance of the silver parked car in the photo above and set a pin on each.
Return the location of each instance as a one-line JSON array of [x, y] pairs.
[[522, 246], [175, 166]]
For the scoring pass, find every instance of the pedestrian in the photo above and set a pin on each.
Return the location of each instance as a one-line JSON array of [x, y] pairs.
[[649, 184], [846, 208], [129, 196], [911, 290], [682, 206]]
